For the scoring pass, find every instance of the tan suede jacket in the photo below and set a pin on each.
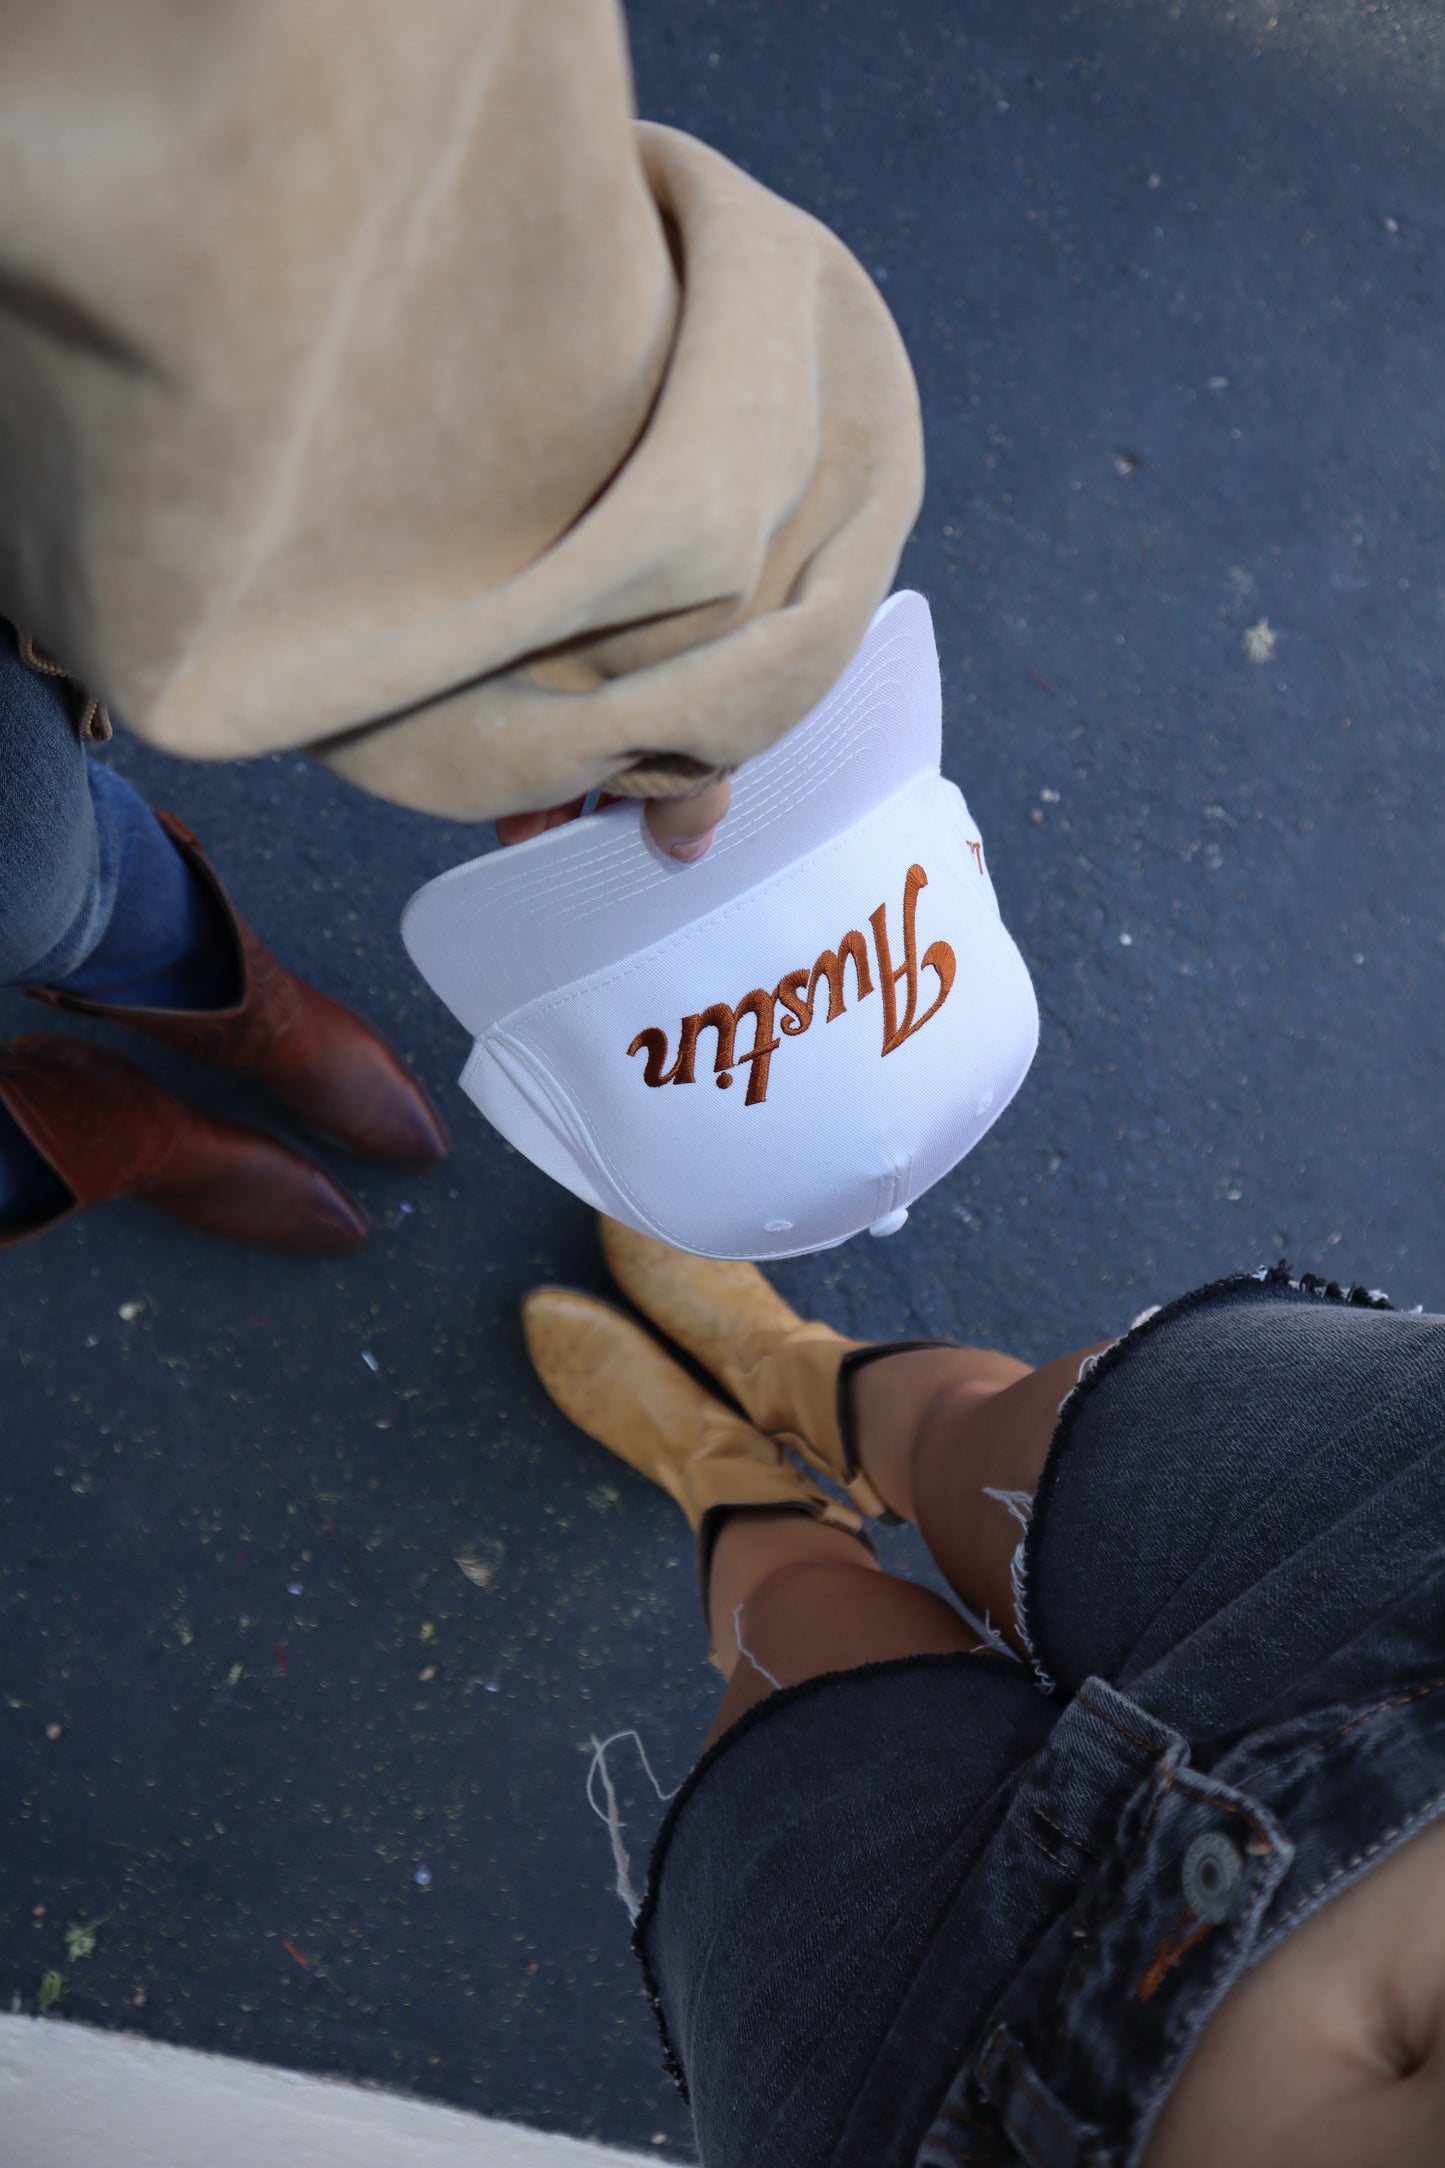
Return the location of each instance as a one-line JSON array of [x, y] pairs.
[[371, 381]]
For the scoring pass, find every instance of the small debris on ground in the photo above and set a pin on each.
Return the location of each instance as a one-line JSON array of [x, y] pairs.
[[427, 1673], [428, 1631], [54, 1731], [80, 1939], [1128, 462], [129, 1311], [52, 1987], [1260, 641], [37, 1912], [1050, 797], [369, 1359], [422, 1878], [481, 1572], [292, 1951]]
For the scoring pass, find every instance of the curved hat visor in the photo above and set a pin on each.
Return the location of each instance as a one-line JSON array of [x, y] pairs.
[[764, 1053]]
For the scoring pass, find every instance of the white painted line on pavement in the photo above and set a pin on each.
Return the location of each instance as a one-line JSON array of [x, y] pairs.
[[71, 2097]]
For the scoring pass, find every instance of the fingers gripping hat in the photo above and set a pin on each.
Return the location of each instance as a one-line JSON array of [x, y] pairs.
[[764, 1053]]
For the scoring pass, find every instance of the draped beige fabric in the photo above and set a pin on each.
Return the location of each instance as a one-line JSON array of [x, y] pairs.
[[371, 381]]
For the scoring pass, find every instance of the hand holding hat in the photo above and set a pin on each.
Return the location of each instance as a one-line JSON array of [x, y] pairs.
[[683, 827], [838, 952]]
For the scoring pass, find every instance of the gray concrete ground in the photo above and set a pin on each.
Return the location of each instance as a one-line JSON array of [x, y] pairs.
[[1171, 276]]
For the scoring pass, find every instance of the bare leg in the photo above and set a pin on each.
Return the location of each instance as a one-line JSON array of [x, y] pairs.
[[889, 1398], [936, 1440], [935, 1430], [789, 1599]]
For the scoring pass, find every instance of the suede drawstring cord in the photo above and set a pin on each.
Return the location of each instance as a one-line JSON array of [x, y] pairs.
[[664, 775], [92, 721]]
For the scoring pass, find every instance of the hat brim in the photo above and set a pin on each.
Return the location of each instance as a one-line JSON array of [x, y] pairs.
[[494, 934]]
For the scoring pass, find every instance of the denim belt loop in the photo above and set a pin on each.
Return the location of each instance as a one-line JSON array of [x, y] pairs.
[[1114, 1991]]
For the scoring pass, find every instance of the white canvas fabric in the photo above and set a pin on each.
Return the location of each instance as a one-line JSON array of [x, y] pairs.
[[765, 1053]]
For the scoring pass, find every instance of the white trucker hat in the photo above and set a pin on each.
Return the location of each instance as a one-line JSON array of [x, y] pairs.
[[766, 1052]]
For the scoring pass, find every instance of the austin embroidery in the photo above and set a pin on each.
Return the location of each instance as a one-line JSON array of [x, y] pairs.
[[795, 995]]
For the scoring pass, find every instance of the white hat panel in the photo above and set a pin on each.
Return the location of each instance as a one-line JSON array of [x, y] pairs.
[[834, 1123]]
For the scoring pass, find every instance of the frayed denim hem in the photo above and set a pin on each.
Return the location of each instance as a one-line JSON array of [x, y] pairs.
[[1096, 1367]]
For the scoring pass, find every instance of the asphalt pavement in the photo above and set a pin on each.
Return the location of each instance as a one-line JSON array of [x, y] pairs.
[[311, 1604]]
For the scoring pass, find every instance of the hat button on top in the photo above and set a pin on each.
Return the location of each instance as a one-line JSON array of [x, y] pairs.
[[1213, 1870], [890, 1222]]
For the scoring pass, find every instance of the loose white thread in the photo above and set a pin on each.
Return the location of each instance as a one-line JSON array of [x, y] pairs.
[[990, 1637], [1091, 1362], [743, 1650], [611, 1814], [1019, 1505]]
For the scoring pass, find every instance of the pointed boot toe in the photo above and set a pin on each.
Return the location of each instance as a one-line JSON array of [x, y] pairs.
[[106, 1131], [251, 1188], [321, 1061]]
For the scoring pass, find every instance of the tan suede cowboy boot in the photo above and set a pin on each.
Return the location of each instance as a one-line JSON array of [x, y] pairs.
[[612, 1380], [789, 1374]]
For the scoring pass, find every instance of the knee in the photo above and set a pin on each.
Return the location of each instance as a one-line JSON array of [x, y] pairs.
[[49, 865], [945, 1427], [48, 879], [804, 1588]]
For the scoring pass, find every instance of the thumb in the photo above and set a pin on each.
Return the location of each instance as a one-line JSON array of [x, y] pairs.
[[685, 827]]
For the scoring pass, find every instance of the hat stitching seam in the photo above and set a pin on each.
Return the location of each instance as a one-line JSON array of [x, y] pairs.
[[542, 1006]]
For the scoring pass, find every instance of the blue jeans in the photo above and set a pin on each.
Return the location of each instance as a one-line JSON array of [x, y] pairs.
[[92, 891]]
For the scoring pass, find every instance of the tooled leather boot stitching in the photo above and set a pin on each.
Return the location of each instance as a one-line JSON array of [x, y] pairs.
[[106, 1131], [331, 1070]]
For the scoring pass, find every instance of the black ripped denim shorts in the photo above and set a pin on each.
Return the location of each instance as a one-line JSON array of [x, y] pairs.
[[953, 1910]]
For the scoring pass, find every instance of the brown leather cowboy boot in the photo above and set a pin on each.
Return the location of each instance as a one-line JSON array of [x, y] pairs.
[[788, 1373], [614, 1381], [320, 1060], [107, 1131]]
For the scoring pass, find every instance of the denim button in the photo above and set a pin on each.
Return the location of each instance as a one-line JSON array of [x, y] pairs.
[[1213, 1871]]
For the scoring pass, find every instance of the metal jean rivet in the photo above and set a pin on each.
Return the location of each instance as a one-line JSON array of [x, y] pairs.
[[1213, 1871]]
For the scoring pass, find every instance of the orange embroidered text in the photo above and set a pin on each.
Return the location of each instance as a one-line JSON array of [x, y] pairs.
[[796, 994]]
